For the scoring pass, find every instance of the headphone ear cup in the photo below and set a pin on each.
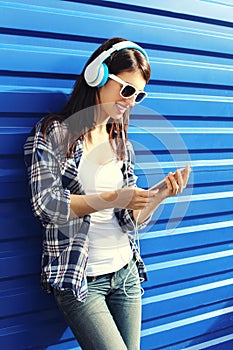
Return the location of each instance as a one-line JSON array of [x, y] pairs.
[[96, 73], [103, 75]]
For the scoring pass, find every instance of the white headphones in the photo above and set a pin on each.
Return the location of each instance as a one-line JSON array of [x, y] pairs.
[[96, 73]]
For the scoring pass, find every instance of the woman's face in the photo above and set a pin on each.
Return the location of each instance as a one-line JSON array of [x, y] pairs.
[[113, 104]]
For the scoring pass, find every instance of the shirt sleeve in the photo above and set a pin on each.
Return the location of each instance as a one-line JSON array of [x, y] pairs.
[[49, 198], [125, 216]]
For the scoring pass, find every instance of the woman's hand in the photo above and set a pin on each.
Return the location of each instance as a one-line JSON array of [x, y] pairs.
[[134, 198], [176, 182]]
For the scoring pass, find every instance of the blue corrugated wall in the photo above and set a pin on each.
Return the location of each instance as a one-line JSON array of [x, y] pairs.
[[188, 117]]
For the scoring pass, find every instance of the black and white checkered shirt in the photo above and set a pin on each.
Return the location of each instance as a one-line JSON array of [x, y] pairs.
[[52, 178]]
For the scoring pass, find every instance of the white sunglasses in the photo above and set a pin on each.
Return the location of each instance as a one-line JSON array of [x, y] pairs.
[[129, 90]]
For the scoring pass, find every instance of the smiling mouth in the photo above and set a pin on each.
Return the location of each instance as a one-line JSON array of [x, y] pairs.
[[121, 108]]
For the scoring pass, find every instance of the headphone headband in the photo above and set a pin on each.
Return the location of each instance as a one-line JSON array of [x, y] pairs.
[[96, 73]]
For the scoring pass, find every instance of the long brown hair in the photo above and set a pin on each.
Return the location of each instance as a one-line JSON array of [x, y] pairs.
[[77, 113]]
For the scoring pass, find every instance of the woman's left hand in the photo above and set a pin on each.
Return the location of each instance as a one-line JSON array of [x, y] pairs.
[[176, 182]]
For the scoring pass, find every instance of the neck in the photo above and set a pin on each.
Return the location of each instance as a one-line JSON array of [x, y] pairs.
[[101, 123]]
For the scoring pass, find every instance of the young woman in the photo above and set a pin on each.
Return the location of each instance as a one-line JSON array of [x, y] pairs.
[[83, 189]]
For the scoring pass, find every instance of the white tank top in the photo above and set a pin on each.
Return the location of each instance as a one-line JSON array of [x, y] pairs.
[[109, 248]]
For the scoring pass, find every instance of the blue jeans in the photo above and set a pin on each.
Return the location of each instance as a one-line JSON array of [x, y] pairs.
[[110, 318]]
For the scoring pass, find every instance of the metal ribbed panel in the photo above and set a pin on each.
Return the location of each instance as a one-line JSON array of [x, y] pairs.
[[188, 117]]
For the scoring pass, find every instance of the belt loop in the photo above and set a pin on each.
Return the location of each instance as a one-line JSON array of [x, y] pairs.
[[112, 283]]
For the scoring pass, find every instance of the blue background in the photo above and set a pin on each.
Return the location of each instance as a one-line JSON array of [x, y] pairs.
[[187, 118]]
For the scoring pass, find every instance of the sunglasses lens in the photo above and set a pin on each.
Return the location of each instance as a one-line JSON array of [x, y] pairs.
[[128, 91], [140, 97]]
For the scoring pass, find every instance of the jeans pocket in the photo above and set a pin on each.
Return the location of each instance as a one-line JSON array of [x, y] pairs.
[[65, 300]]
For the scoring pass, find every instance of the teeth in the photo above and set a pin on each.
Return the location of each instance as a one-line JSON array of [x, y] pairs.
[[121, 107]]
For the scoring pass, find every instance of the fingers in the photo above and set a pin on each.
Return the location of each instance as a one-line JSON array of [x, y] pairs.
[[144, 198], [177, 182], [141, 198], [137, 198], [186, 174], [172, 185]]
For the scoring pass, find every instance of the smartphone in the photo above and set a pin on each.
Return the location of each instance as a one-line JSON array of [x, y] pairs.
[[162, 184]]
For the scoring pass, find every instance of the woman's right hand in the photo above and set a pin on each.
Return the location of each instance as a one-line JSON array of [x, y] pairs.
[[134, 198]]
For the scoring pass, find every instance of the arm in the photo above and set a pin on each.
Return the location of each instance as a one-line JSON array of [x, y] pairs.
[[51, 183], [81, 205], [142, 202], [125, 198], [50, 200]]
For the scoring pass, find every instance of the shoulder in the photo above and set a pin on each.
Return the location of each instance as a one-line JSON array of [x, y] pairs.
[[54, 139], [57, 131], [55, 135]]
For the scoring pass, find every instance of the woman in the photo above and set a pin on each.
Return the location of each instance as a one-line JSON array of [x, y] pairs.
[[83, 189]]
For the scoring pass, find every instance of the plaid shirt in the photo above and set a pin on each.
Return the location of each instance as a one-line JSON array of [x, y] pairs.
[[52, 178]]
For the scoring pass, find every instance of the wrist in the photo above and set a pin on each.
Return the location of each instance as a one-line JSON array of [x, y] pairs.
[[164, 194], [110, 196]]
